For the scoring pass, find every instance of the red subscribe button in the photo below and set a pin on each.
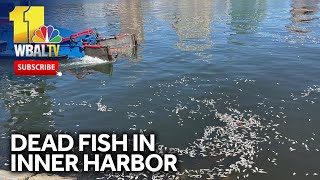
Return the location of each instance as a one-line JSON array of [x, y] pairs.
[[36, 68]]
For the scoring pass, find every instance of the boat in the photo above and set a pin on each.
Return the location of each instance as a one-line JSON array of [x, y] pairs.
[[112, 47], [76, 45], [73, 44], [90, 43]]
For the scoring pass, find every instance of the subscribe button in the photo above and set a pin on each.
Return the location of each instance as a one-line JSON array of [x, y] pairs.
[[36, 68]]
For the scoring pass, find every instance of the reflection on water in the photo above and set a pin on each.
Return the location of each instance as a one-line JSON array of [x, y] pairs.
[[246, 20], [25, 108], [303, 12], [28, 105], [229, 111], [192, 23], [81, 72], [131, 18]]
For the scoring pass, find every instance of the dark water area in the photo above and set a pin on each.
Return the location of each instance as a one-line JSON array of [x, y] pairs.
[[232, 86]]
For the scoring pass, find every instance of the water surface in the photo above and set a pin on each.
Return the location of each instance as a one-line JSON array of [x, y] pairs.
[[232, 86]]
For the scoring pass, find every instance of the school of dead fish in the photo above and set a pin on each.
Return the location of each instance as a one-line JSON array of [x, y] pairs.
[[239, 136]]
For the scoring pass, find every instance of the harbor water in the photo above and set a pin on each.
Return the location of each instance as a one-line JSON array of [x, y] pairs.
[[230, 86]]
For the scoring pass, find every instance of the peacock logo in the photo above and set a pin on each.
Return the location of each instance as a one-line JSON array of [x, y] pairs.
[[47, 34]]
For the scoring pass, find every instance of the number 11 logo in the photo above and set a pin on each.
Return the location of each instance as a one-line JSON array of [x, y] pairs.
[[26, 19]]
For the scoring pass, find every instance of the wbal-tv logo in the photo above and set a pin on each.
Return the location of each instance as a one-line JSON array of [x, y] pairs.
[[46, 37], [32, 39]]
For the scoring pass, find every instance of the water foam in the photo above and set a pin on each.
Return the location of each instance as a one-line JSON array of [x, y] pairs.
[[86, 61]]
